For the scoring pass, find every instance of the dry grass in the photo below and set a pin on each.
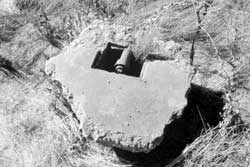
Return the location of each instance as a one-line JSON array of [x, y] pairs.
[[9, 26], [61, 20], [221, 146], [146, 44], [31, 133], [226, 145]]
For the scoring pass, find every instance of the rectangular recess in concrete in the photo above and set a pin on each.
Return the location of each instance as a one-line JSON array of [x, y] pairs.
[[108, 58]]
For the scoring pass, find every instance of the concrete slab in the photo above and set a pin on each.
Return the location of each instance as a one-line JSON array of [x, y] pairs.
[[123, 111]]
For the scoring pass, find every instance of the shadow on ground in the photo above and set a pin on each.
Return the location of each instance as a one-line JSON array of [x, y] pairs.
[[203, 110]]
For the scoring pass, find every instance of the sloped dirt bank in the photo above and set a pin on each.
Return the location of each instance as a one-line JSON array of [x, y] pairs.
[[203, 110]]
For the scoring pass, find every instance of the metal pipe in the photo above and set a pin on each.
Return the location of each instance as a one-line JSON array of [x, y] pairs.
[[122, 65]]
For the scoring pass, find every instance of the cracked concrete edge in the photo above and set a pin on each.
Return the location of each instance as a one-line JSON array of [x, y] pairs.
[[131, 143]]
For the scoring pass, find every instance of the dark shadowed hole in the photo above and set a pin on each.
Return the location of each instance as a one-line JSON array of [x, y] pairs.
[[106, 61], [183, 129]]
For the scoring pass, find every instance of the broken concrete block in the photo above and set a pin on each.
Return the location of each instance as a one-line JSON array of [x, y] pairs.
[[123, 111]]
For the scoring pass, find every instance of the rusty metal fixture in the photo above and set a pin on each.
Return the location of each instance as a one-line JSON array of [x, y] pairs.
[[122, 65]]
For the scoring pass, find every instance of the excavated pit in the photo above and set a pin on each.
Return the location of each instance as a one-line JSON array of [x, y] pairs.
[[183, 130]]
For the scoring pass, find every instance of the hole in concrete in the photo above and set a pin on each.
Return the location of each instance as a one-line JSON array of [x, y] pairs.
[[119, 59], [183, 130]]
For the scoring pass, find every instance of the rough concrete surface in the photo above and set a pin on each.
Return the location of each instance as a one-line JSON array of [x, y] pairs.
[[123, 111]]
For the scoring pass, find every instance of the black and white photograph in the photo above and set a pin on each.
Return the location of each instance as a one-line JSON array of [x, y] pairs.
[[124, 83]]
